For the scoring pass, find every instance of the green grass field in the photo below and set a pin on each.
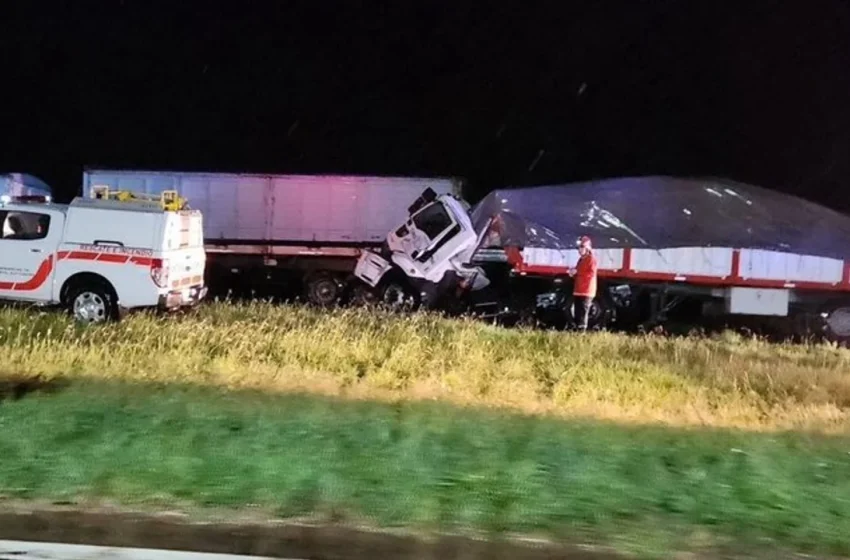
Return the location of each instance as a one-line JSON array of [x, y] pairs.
[[726, 381], [646, 443]]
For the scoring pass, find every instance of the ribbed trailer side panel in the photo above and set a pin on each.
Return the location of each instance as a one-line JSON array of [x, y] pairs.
[[285, 208]]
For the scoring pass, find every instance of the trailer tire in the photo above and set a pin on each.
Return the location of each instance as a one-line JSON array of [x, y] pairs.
[[836, 322], [92, 300], [322, 289]]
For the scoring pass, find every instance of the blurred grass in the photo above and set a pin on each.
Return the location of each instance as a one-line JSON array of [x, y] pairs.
[[200, 411], [647, 490], [725, 381]]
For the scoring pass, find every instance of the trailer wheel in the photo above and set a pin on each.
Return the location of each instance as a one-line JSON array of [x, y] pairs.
[[322, 290], [836, 319]]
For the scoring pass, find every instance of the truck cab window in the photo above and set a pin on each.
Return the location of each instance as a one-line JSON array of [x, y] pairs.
[[24, 225], [432, 220]]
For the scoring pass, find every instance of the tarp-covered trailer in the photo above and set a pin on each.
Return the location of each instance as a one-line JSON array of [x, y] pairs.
[[740, 249], [271, 233]]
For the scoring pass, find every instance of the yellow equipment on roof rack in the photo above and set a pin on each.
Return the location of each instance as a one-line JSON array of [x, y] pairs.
[[169, 200]]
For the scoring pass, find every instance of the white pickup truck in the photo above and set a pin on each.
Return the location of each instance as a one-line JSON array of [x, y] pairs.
[[99, 257]]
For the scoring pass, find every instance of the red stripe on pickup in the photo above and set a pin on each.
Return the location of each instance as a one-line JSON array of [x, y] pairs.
[[114, 258], [38, 279], [141, 261], [42, 274]]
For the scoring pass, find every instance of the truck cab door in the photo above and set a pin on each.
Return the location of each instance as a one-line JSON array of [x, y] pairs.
[[28, 242], [448, 230]]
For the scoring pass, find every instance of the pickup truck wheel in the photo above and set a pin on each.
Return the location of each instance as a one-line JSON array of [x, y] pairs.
[[92, 304]]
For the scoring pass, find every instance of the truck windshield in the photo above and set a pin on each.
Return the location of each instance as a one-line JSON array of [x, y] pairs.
[[432, 220]]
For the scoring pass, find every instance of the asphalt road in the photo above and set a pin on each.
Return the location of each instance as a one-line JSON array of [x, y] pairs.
[[20, 550]]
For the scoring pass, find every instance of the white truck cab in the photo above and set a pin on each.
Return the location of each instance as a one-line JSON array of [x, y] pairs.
[[99, 256], [438, 239]]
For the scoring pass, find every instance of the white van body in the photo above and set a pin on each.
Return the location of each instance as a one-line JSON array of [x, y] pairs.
[[99, 257]]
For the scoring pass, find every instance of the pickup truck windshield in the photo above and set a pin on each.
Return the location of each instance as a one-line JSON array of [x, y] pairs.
[[432, 220]]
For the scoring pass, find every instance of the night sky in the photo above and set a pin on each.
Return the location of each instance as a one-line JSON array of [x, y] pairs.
[[515, 95]]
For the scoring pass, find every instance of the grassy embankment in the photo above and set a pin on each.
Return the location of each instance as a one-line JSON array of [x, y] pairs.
[[145, 421]]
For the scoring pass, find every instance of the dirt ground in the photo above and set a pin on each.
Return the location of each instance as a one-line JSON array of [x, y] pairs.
[[277, 539]]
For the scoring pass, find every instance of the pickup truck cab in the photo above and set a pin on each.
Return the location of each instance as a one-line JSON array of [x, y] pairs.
[[97, 257]]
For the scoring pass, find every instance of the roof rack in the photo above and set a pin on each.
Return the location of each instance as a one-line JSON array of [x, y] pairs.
[[168, 200]]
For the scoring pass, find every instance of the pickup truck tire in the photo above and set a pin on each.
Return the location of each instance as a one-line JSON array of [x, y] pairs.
[[92, 302]]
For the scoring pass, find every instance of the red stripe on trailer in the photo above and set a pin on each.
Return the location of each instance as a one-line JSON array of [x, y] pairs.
[[697, 279], [284, 251], [515, 258]]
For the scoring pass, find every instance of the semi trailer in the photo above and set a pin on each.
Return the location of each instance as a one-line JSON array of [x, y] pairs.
[[283, 235], [720, 249]]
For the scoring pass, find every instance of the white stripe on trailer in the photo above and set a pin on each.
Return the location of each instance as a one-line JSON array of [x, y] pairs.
[[681, 263]]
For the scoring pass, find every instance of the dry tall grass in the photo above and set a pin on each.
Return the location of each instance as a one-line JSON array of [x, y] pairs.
[[725, 381]]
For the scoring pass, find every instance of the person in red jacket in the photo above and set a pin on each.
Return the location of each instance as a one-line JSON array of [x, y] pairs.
[[584, 283]]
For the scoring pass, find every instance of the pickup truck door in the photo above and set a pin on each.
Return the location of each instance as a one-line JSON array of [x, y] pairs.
[[28, 242]]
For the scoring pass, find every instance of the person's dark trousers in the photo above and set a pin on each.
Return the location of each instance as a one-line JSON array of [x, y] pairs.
[[582, 311]]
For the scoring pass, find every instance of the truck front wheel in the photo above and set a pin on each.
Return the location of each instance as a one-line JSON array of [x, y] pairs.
[[398, 296], [92, 303]]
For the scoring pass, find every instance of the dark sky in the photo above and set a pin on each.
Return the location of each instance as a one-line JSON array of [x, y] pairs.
[[521, 94]]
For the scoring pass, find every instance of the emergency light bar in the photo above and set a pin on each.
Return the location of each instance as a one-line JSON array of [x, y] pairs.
[[8, 199]]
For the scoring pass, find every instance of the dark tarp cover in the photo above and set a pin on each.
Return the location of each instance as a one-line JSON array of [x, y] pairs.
[[659, 212]]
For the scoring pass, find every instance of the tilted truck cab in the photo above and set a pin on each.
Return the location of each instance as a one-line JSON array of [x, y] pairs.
[[426, 256], [98, 256]]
